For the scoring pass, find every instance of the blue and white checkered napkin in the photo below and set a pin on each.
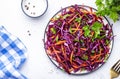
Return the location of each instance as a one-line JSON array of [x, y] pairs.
[[12, 55]]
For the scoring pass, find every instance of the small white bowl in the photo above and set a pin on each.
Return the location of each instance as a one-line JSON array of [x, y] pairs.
[[34, 8]]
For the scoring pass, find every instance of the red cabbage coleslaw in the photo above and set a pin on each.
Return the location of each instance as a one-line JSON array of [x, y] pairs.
[[77, 40]]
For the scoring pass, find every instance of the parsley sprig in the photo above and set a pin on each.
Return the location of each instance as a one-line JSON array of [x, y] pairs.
[[110, 8], [95, 28]]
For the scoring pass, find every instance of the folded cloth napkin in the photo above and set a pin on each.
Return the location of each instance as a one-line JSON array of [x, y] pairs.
[[12, 55]]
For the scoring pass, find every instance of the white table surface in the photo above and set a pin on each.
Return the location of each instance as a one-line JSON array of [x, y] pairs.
[[38, 65]]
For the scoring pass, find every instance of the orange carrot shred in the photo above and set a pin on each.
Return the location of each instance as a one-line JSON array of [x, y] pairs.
[[72, 18], [60, 42], [56, 54], [63, 51], [71, 56], [83, 49]]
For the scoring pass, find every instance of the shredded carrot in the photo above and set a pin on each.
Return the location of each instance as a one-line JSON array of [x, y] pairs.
[[71, 9], [56, 54], [100, 50], [92, 33], [95, 56], [72, 18], [83, 49], [84, 11], [60, 42], [81, 32], [52, 19], [48, 52], [52, 36], [75, 65], [83, 65], [71, 56], [63, 51], [76, 29], [71, 69]]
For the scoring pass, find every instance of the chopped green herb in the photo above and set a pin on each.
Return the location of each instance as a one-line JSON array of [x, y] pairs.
[[106, 57], [53, 30], [62, 69], [93, 51], [73, 57], [59, 23], [56, 38], [82, 69], [65, 16], [86, 31], [85, 57], [81, 41], [96, 28], [70, 30], [76, 40], [101, 37], [78, 20], [107, 42]]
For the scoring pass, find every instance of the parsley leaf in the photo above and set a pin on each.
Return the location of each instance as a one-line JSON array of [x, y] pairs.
[[53, 30], [78, 20], [96, 28], [56, 38], [114, 16], [86, 30]]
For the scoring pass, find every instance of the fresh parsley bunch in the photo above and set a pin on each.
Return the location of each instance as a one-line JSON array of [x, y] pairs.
[[110, 8]]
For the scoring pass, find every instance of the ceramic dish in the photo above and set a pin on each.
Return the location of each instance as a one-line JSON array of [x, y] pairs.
[[34, 8]]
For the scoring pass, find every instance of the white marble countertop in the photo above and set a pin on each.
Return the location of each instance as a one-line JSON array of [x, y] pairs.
[[38, 65]]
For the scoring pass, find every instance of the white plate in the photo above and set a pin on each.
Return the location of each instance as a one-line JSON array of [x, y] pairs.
[[85, 71]]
